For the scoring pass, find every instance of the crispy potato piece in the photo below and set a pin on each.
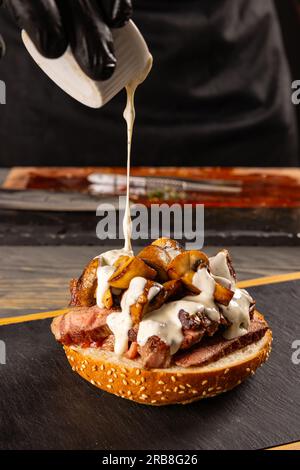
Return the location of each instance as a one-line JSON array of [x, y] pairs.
[[157, 258], [129, 269], [222, 295], [83, 290], [170, 290], [108, 299], [172, 247], [138, 310], [186, 262]]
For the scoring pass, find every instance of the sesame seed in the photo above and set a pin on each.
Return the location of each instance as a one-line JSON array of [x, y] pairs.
[[181, 392], [210, 389], [124, 369], [252, 372], [98, 383], [72, 358], [115, 375], [132, 380], [138, 372], [102, 367], [94, 368], [85, 362], [248, 369], [142, 388], [125, 382], [110, 380], [175, 389], [219, 388], [143, 380], [204, 382], [113, 370], [168, 390], [153, 401], [83, 367], [129, 393], [138, 382], [93, 382], [161, 382], [109, 372], [173, 378], [182, 387], [159, 392], [73, 368], [194, 391], [204, 393], [108, 386], [226, 371], [123, 375], [189, 385], [144, 397], [163, 398], [121, 392], [179, 375]]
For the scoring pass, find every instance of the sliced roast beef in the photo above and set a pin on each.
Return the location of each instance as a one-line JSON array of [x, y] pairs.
[[109, 343], [155, 354], [195, 327], [212, 349], [81, 326]]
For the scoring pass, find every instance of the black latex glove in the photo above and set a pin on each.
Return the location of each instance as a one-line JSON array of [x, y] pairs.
[[84, 24]]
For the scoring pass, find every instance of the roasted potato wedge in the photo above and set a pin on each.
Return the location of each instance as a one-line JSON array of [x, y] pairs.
[[129, 269], [186, 262], [138, 310], [222, 295], [172, 247], [157, 258], [83, 290]]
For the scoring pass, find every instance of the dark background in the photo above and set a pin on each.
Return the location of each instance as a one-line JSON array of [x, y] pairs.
[[219, 93]]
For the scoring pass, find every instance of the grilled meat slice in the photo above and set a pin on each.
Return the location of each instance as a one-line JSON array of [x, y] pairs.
[[195, 327], [212, 349], [155, 354], [81, 326]]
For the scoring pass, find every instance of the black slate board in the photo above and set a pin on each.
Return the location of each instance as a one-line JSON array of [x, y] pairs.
[[44, 405]]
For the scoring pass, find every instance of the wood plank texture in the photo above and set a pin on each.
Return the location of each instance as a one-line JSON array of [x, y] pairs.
[[35, 279]]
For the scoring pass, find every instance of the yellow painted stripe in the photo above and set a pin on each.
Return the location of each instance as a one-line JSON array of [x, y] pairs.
[[243, 284], [261, 281], [291, 446], [32, 317]]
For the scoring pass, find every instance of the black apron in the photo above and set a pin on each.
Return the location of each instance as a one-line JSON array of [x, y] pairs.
[[218, 94]]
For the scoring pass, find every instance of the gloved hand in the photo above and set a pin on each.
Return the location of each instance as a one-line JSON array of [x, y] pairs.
[[84, 24]]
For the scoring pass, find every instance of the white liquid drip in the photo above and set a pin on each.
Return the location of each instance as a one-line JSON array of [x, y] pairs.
[[129, 116]]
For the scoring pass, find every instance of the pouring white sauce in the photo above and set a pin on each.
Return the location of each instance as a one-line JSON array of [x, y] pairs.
[[164, 322]]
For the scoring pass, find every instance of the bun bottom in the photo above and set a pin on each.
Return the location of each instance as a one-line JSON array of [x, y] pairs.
[[127, 379]]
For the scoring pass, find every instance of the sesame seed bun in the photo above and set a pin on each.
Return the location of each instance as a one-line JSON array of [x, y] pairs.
[[127, 379]]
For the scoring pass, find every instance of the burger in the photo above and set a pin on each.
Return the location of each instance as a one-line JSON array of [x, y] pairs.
[[166, 326]]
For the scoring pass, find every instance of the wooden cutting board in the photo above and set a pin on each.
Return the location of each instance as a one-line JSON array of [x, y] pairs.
[[260, 187], [44, 405]]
